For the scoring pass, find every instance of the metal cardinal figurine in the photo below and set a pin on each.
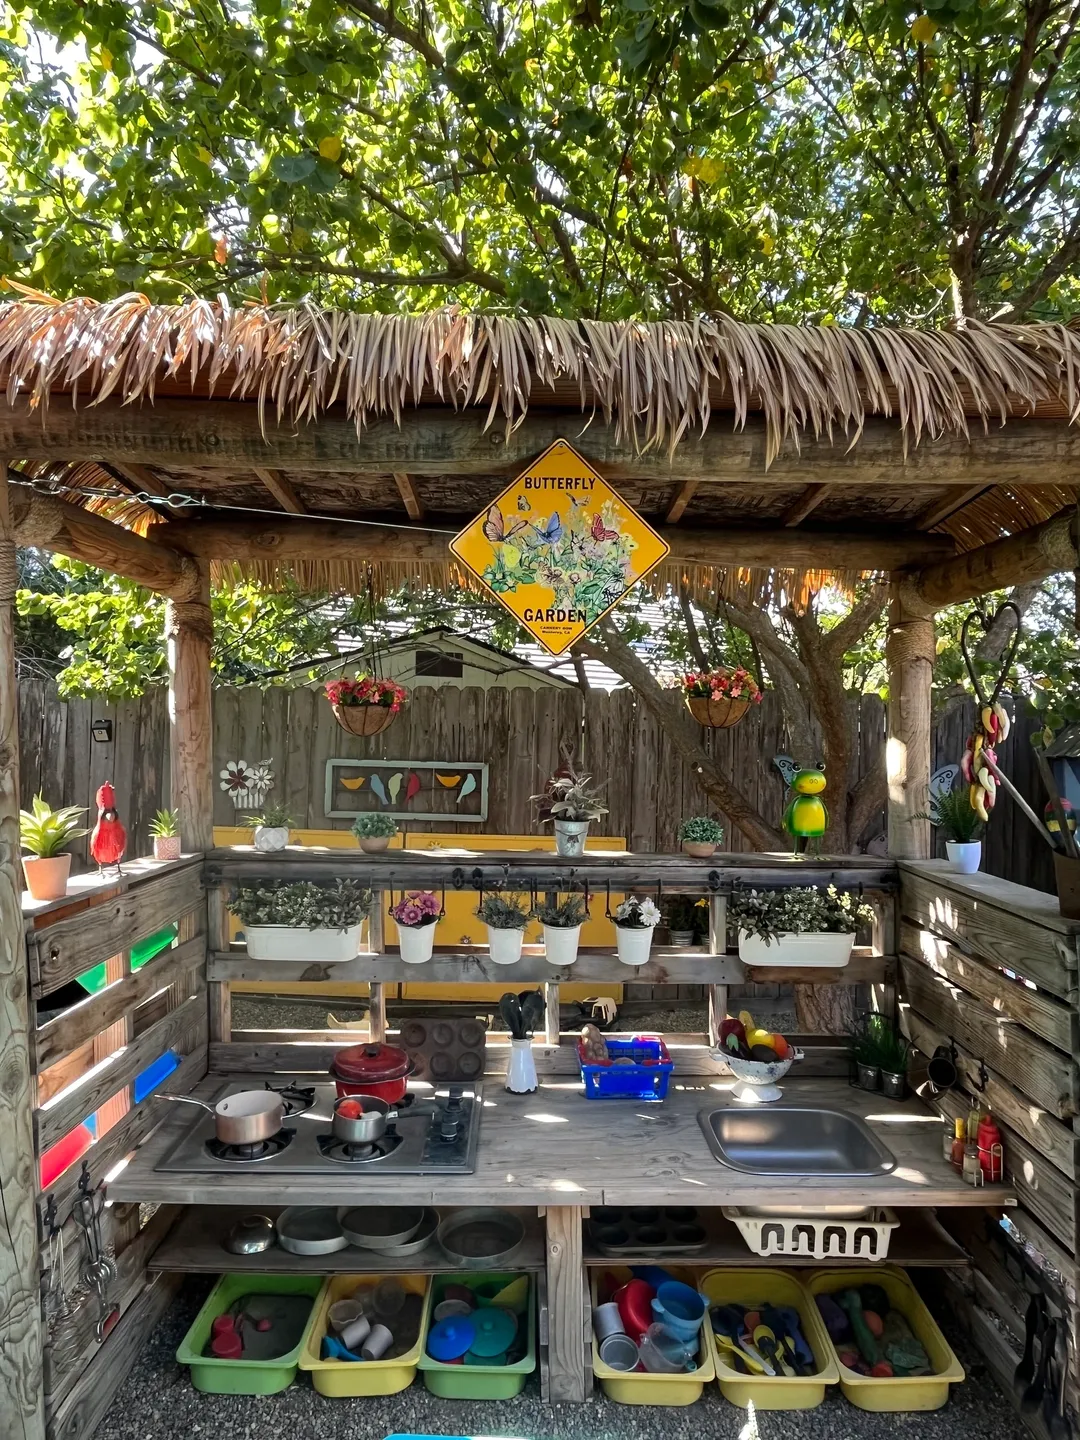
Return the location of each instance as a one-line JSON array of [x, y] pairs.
[[108, 839]]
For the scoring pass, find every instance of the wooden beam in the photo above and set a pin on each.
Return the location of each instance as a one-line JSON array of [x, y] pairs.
[[136, 477], [909, 654], [189, 632], [1030, 555], [414, 506], [228, 435], [21, 1355], [809, 500], [53, 524], [946, 505], [261, 538], [682, 499], [282, 491]]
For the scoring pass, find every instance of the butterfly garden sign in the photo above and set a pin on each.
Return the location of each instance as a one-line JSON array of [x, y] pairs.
[[559, 548]]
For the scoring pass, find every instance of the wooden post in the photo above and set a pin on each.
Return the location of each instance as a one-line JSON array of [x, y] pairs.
[[218, 993], [21, 1408], [188, 635], [718, 994], [909, 652], [566, 1304], [551, 1014]]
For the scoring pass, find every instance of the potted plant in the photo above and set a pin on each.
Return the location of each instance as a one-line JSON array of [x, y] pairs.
[[720, 698], [299, 920], [880, 1056], [687, 920], [798, 927], [44, 833], [165, 835], [571, 801], [635, 920], [270, 828], [505, 917], [562, 921], [864, 1055], [374, 830], [955, 816], [700, 836], [416, 915], [366, 705]]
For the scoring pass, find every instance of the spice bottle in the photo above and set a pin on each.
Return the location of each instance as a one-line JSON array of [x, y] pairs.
[[972, 1170], [991, 1150], [956, 1153], [947, 1142]]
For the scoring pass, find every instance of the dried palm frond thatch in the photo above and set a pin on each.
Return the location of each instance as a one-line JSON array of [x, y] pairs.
[[654, 381]]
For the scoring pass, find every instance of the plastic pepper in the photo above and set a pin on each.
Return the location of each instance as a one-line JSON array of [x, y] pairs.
[[851, 1303]]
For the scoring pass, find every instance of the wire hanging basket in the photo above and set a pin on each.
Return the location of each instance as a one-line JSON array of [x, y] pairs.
[[364, 719], [716, 714]]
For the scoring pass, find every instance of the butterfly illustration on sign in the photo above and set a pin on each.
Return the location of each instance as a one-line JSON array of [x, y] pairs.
[[455, 791]]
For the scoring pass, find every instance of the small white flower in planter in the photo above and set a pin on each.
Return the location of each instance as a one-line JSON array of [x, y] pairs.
[[635, 921], [799, 926]]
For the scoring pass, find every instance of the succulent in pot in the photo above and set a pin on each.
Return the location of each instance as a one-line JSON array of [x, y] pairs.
[[300, 920], [374, 830], [635, 920], [701, 835], [270, 828], [797, 927], [44, 833], [165, 835], [416, 915], [571, 802], [955, 816], [561, 921], [505, 915]]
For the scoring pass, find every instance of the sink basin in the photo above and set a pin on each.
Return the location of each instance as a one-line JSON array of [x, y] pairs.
[[790, 1140]]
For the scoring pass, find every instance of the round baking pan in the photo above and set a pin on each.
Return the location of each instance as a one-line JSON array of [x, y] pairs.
[[480, 1237], [420, 1240], [310, 1230], [379, 1227]]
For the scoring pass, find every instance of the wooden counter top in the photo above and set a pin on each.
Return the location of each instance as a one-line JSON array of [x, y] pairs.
[[557, 1148]]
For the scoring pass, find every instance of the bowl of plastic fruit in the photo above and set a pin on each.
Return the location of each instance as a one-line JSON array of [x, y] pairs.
[[757, 1058]]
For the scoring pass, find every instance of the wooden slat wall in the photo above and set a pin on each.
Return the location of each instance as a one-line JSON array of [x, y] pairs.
[[991, 967], [123, 1028]]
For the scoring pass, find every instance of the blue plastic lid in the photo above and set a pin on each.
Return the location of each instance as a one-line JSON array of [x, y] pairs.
[[450, 1338], [495, 1331]]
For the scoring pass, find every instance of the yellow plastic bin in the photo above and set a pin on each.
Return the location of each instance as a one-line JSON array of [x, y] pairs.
[[898, 1392], [638, 1387], [754, 1288], [367, 1377]]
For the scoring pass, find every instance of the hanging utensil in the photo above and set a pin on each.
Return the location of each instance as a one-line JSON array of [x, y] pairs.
[[533, 1011], [510, 1010], [99, 1270]]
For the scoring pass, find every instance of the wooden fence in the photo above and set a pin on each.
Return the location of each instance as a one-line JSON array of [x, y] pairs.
[[519, 733]]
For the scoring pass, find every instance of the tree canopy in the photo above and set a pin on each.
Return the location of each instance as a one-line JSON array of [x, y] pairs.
[[857, 161]]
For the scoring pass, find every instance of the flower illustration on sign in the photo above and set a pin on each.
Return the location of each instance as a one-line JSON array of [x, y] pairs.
[[245, 784]]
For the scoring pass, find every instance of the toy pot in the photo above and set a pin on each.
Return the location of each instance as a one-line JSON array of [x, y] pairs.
[[47, 878], [634, 1300]]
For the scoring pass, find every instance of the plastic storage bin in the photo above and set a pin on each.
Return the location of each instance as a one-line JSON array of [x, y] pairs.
[[360, 1377], [480, 1382], [645, 1079], [754, 1287], [899, 1392], [639, 1387], [244, 1377]]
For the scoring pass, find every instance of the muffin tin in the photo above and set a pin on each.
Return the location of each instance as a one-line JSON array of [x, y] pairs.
[[445, 1051], [641, 1232]]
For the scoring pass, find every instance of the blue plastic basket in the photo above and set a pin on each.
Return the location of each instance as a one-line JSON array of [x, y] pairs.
[[639, 1081]]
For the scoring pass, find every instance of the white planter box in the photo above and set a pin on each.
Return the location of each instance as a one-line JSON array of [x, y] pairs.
[[561, 944], [416, 943], [505, 945], [797, 952], [283, 942], [634, 942]]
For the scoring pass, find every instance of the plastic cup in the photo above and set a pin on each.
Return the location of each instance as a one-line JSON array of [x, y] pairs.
[[355, 1333], [377, 1343], [618, 1352], [342, 1314], [389, 1298]]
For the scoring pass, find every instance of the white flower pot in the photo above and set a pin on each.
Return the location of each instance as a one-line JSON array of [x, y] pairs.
[[286, 942], [797, 952], [505, 945], [521, 1076], [561, 943], [269, 838], [570, 836], [634, 942], [965, 856], [416, 942]]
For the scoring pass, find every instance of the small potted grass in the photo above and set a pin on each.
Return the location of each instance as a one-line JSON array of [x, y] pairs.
[[955, 816], [562, 921], [505, 916], [700, 836], [270, 828], [374, 830], [165, 835]]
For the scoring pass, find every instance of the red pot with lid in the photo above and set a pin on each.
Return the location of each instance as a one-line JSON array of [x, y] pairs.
[[373, 1069]]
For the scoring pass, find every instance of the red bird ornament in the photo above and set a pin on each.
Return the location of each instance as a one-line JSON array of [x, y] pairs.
[[108, 839]]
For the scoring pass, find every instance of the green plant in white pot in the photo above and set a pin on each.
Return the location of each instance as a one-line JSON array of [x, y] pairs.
[[45, 833], [505, 916], [562, 921], [572, 802], [300, 920], [374, 830], [635, 920], [954, 815], [270, 828], [797, 927], [700, 836]]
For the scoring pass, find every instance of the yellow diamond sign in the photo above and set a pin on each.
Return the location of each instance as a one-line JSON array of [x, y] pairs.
[[559, 548]]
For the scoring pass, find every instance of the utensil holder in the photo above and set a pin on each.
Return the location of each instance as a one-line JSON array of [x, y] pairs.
[[521, 1075]]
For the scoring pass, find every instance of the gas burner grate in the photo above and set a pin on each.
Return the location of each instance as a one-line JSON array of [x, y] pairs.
[[298, 1099], [331, 1148], [244, 1154]]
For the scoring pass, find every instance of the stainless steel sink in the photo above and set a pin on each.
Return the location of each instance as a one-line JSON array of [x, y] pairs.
[[791, 1141]]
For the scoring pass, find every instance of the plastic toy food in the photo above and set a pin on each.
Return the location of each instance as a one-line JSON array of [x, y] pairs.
[[748, 1041]]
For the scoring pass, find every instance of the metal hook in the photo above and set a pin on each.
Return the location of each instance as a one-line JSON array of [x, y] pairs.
[[983, 1078], [713, 880], [50, 1217]]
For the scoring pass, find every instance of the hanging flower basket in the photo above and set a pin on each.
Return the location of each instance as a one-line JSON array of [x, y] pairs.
[[365, 706], [719, 699]]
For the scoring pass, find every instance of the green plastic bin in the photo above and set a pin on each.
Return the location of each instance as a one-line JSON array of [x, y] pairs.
[[244, 1377], [479, 1382]]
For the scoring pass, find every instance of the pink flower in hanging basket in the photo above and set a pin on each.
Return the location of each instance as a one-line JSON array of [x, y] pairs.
[[737, 684], [416, 908], [367, 690]]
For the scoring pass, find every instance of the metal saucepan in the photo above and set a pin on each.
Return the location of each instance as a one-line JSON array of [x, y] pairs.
[[241, 1119], [365, 1128]]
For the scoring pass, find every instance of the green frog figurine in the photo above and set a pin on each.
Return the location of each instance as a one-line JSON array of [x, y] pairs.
[[806, 817]]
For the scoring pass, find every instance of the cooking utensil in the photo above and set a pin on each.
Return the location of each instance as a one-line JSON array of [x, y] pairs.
[[241, 1119], [355, 1333], [310, 1230], [99, 1271], [448, 1309], [365, 1128], [342, 1313], [1025, 1371], [375, 1227], [607, 1321], [480, 1237], [251, 1235], [679, 1309], [379, 1070], [1033, 1396], [420, 1239], [533, 1011], [510, 1010]]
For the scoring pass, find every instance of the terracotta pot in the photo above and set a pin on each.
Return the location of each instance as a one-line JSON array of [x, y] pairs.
[[716, 714], [373, 844], [363, 719], [699, 849], [166, 847], [47, 879]]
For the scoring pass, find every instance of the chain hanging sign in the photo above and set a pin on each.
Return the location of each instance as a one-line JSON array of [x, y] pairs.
[[559, 548]]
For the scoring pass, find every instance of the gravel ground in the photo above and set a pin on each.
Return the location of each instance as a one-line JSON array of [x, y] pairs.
[[158, 1402]]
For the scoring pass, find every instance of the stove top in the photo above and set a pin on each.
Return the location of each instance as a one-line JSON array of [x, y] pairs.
[[435, 1133]]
